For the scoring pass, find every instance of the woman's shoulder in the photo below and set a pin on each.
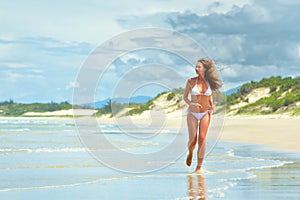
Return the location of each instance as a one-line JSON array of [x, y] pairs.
[[192, 79]]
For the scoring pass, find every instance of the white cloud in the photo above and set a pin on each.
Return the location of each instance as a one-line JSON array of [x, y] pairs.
[[92, 21], [248, 33], [72, 85], [50, 40], [136, 68], [14, 77], [165, 58], [132, 56], [40, 64], [236, 74], [16, 65]]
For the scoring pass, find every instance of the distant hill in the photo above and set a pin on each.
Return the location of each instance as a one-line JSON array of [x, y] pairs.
[[137, 99], [120, 109], [232, 90]]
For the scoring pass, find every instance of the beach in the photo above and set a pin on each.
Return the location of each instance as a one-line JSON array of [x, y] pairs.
[[254, 158], [279, 132], [276, 131]]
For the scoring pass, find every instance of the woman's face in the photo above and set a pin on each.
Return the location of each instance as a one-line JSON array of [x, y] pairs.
[[200, 69]]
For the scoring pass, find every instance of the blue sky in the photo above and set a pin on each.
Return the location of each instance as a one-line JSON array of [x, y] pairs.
[[43, 44]]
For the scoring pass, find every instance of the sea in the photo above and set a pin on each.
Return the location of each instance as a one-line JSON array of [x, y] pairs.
[[44, 158]]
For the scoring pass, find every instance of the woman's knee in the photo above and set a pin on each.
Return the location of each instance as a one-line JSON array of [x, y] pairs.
[[193, 142], [201, 137]]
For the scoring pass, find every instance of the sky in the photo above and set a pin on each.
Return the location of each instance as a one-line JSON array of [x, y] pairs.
[[44, 44]]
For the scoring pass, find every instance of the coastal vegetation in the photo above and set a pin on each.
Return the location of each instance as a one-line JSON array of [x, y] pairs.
[[11, 108], [282, 95]]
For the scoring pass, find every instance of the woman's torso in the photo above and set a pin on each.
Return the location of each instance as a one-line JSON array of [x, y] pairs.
[[200, 93]]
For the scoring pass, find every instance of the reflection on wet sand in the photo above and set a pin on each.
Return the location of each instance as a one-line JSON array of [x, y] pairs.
[[197, 190]]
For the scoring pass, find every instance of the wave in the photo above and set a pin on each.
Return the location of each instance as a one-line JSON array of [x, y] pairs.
[[277, 163], [58, 186], [41, 150], [15, 129], [25, 121], [35, 122], [115, 131]]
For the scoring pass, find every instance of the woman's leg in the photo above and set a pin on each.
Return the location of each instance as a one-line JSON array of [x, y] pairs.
[[203, 128], [192, 123]]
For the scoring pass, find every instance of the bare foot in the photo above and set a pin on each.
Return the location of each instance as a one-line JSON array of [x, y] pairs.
[[198, 170], [189, 159]]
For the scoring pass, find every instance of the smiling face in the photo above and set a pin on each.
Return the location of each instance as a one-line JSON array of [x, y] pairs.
[[200, 69]]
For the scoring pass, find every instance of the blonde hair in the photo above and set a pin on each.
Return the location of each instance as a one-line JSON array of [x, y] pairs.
[[211, 74]]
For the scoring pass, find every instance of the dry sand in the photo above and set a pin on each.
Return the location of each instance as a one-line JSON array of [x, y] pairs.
[[281, 133]]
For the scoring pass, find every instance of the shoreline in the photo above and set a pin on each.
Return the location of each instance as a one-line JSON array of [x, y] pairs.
[[274, 131]]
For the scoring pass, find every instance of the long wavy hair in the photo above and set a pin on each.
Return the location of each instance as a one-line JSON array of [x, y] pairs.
[[211, 74]]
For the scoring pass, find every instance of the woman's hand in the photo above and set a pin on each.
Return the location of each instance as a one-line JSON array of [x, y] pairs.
[[195, 104], [213, 109]]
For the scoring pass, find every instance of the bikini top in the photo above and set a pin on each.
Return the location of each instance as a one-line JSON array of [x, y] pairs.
[[195, 89]]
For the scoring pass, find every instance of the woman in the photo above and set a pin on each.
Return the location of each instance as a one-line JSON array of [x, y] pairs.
[[201, 107]]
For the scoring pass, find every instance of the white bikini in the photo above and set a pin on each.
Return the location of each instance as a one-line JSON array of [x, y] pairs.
[[195, 91]]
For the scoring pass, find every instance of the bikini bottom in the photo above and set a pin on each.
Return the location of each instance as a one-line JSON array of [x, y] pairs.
[[199, 115]]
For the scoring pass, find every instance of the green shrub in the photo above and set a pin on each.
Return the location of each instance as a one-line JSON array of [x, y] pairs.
[[170, 96]]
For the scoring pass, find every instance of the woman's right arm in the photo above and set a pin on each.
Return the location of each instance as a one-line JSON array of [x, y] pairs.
[[186, 92]]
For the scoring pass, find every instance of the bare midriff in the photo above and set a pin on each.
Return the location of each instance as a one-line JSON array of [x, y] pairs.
[[203, 100]]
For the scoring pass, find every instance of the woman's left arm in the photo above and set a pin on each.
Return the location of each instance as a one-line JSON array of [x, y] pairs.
[[211, 101]]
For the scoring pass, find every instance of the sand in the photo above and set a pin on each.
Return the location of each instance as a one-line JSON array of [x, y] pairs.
[[277, 131], [280, 133]]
